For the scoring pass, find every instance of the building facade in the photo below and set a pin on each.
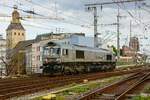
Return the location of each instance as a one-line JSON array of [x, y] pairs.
[[15, 31], [2, 56], [132, 49], [134, 44], [128, 52]]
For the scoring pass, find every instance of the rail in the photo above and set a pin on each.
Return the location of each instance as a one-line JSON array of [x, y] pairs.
[[118, 89]]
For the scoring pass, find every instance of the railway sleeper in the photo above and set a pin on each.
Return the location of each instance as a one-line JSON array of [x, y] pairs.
[[107, 96]]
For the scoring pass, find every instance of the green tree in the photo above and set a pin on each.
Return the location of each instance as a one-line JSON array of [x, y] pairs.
[[114, 50], [121, 52]]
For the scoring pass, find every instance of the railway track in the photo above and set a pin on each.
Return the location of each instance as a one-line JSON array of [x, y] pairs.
[[141, 88], [16, 87], [118, 90]]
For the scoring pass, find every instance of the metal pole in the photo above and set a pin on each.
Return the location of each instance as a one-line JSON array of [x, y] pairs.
[[95, 28], [118, 35], [130, 29]]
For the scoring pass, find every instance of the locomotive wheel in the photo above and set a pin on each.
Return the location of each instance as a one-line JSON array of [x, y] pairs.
[[47, 71], [67, 72]]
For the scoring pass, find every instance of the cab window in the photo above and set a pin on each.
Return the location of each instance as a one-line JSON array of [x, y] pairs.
[[65, 51]]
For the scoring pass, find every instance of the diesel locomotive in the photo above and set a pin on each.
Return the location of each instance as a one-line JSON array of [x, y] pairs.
[[72, 59]]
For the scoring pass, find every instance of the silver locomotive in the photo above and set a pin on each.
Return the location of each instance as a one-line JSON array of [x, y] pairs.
[[73, 59]]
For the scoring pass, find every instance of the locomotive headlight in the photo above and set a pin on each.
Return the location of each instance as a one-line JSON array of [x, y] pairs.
[[58, 60], [46, 60]]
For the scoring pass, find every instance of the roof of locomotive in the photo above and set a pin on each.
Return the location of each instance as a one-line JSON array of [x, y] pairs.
[[79, 47]]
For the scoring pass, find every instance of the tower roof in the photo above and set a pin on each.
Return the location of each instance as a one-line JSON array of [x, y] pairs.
[[16, 26]]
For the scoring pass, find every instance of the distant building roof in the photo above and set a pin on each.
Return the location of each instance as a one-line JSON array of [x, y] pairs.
[[16, 26], [60, 35]]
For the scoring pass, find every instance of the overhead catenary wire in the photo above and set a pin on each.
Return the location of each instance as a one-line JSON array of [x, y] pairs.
[[28, 20], [140, 20], [32, 12], [109, 38], [130, 14], [26, 11], [59, 12], [33, 26], [145, 9], [41, 26], [44, 17]]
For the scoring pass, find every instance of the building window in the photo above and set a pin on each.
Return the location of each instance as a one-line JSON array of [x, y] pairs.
[[15, 33], [109, 57], [18, 33], [38, 58], [22, 34], [33, 57], [65, 51], [80, 54], [38, 48]]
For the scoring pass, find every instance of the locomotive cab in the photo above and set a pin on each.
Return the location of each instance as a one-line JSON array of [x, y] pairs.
[[51, 53], [51, 58]]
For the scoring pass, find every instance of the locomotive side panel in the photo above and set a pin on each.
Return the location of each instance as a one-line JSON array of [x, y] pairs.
[[86, 56]]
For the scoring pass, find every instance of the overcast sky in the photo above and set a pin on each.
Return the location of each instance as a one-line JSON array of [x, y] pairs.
[[72, 16]]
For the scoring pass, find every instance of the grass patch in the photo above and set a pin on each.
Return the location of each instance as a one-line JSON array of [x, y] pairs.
[[77, 90], [141, 98], [119, 63], [145, 95]]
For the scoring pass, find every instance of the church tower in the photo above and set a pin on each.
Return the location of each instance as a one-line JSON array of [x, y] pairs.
[[15, 31]]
